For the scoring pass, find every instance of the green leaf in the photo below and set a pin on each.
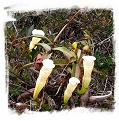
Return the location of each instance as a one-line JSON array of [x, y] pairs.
[[30, 29], [61, 62], [23, 31], [65, 51], [45, 46], [43, 37], [73, 70], [9, 24], [110, 27], [87, 32], [46, 55], [96, 54], [49, 55], [77, 72], [44, 29], [26, 66], [19, 16]]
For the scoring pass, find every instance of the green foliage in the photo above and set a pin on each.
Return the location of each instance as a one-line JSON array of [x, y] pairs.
[[45, 46], [104, 62], [61, 62], [14, 91], [97, 25], [65, 51]]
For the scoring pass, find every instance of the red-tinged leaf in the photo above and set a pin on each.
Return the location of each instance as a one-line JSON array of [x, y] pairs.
[[65, 51], [81, 61], [72, 59], [18, 44]]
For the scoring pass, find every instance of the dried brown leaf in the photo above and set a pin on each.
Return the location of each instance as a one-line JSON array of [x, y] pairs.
[[94, 99], [38, 62], [20, 106], [26, 94]]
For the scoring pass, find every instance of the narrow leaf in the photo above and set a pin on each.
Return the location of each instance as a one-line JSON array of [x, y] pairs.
[[46, 55], [45, 46], [19, 16], [49, 55], [73, 70], [72, 59], [26, 66], [61, 62], [43, 37], [30, 29], [65, 51]]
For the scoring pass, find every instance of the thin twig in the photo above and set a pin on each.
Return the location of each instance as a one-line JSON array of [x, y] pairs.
[[22, 38], [60, 76], [15, 28], [104, 40], [94, 99], [79, 11], [105, 85]]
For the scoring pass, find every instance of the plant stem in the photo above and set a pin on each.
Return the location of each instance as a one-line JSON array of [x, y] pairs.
[[79, 11], [85, 85]]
